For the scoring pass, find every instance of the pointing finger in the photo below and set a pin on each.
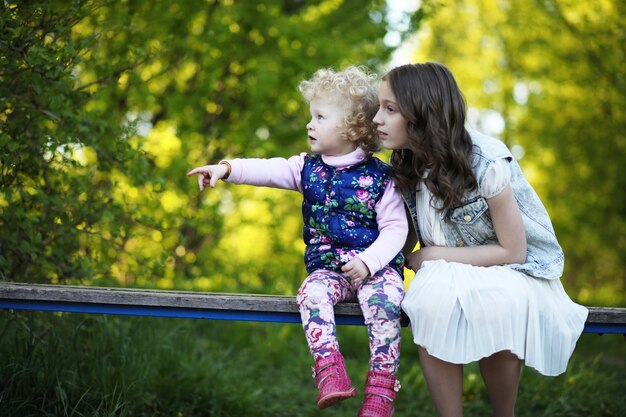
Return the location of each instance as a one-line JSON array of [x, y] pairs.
[[201, 182], [193, 171]]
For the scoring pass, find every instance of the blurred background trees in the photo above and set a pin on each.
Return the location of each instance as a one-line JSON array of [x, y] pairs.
[[548, 77], [105, 105]]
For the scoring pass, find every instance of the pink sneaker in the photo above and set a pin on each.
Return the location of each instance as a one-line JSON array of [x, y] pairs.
[[380, 391], [332, 380]]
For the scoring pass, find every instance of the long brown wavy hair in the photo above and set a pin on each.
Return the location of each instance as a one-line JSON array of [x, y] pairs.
[[430, 100]]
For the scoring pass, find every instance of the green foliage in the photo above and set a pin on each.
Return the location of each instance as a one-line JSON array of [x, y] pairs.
[[62, 365], [93, 366], [105, 105], [554, 71], [55, 149]]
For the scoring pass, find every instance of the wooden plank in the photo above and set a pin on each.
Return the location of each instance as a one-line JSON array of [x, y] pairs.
[[209, 300], [159, 298], [606, 315]]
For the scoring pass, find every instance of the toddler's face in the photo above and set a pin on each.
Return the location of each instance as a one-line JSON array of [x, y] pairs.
[[325, 128]]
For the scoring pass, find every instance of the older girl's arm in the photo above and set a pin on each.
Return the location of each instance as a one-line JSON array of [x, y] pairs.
[[509, 227]]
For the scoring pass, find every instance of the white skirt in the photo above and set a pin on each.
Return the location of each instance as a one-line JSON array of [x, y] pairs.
[[461, 313]]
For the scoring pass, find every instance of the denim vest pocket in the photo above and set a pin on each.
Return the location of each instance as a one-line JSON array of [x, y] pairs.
[[473, 222]]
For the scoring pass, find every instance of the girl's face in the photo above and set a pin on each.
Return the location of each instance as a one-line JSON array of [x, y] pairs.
[[325, 128], [392, 126]]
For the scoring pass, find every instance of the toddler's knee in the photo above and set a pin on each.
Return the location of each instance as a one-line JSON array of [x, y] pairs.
[[376, 312], [312, 293], [390, 301]]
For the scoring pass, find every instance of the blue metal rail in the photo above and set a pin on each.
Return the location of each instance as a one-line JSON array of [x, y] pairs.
[[170, 312], [217, 314], [210, 306]]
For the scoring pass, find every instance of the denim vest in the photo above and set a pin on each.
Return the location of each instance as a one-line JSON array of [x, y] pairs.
[[469, 223], [339, 211]]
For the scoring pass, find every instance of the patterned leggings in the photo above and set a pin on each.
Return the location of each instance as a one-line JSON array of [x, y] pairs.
[[379, 296]]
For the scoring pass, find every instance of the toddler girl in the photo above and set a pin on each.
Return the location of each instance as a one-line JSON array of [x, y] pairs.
[[354, 229]]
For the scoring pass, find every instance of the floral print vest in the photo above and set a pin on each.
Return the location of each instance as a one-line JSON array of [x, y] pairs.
[[339, 211]]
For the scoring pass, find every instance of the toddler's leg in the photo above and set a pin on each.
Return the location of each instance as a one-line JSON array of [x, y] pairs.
[[380, 298], [316, 299]]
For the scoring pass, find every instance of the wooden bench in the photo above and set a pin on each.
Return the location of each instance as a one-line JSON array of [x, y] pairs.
[[208, 305]]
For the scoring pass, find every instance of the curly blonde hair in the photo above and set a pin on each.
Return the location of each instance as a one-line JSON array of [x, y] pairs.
[[353, 87]]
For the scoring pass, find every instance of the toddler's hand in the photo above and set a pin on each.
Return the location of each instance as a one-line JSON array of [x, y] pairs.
[[356, 270], [209, 174]]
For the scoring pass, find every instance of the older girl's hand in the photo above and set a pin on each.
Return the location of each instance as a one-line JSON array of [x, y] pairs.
[[414, 261]]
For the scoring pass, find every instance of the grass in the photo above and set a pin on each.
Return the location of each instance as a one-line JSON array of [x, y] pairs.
[[89, 365]]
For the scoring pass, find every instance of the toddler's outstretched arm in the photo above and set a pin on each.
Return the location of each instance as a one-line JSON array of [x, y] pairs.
[[209, 174]]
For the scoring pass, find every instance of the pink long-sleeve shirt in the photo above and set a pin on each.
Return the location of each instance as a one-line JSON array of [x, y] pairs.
[[286, 174]]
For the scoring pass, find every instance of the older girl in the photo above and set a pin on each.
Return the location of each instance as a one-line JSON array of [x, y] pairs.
[[487, 285]]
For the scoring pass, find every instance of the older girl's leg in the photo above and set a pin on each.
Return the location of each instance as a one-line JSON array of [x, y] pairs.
[[316, 299], [501, 373], [445, 384]]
